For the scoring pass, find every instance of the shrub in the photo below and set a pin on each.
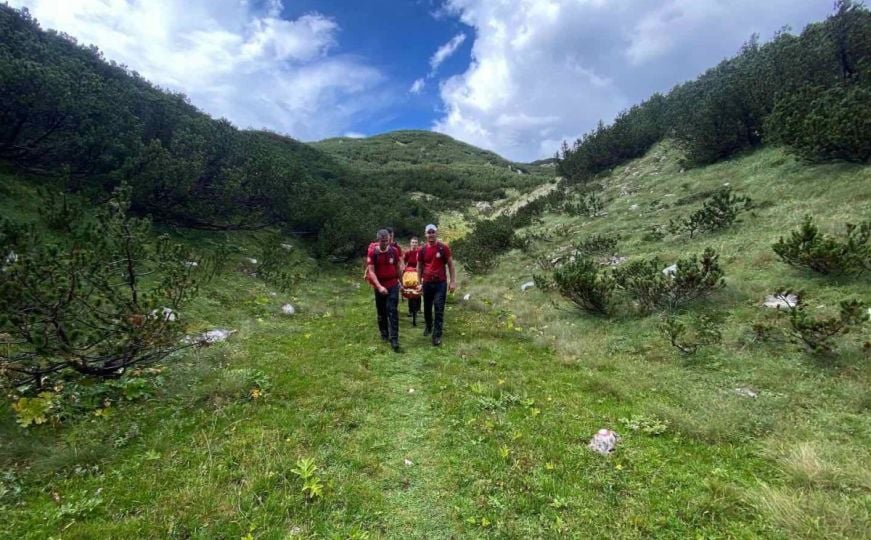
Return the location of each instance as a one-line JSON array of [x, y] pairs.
[[704, 331], [654, 289], [822, 124], [278, 264], [106, 300], [807, 248], [597, 244], [478, 251], [586, 285], [719, 211], [813, 333], [589, 206]]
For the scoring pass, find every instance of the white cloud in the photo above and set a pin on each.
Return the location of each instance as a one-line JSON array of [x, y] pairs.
[[445, 51], [231, 59], [354, 135], [547, 70], [417, 86]]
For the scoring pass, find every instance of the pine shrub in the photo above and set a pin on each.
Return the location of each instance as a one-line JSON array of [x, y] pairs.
[[654, 289], [587, 285], [718, 212], [808, 248]]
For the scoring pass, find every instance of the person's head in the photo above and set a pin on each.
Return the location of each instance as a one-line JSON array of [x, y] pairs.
[[390, 232], [383, 238], [414, 242], [431, 233]]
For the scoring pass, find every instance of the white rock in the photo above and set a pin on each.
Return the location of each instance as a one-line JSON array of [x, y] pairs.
[[604, 441], [746, 392], [634, 207], [166, 314], [288, 247], [251, 260], [408, 462], [11, 258], [670, 270], [615, 260], [781, 301], [527, 285], [215, 336], [288, 309], [411, 390], [191, 264], [466, 297]]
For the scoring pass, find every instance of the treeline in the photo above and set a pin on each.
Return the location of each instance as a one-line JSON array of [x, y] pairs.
[[810, 93], [66, 113]]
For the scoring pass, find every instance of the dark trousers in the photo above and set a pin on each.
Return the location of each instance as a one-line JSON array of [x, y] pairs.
[[434, 296], [413, 305], [387, 307]]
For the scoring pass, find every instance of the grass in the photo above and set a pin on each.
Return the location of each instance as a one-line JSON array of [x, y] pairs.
[[486, 436]]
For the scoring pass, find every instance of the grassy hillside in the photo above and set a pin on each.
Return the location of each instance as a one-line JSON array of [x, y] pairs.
[[485, 436], [436, 165]]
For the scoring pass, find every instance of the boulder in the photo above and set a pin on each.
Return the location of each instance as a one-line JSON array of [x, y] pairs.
[[781, 301], [670, 270], [288, 309], [527, 285]]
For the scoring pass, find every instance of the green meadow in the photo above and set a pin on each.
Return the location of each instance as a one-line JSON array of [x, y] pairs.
[[486, 436]]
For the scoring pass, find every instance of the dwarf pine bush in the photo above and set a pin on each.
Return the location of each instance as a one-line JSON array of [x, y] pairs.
[[808, 248], [654, 289], [719, 211], [587, 285]]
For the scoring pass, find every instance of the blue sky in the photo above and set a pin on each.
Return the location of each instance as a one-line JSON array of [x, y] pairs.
[[513, 76]]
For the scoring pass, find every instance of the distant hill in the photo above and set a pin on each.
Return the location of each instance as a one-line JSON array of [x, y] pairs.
[[435, 164], [412, 147]]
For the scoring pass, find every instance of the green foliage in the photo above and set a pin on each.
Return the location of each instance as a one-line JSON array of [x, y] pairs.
[[823, 124], [704, 331], [306, 471], [278, 264], [815, 334], [589, 206], [34, 410], [654, 289], [586, 285], [649, 425], [479, 249], [102, 300], [718, 212], [809, 92], [596, 244], [808, 248]]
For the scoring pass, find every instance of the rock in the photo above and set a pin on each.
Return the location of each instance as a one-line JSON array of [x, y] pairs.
[[746, 392], [483, 206], [604, 441], [681, 171], [287, 247], [411, 390], [634, 207], [781, 301], [670, 270], [251, 260], [215, 336], [726, 184], [408, 462], [191, 264], [466, 297], [166, 314], [527, 285], [288, 309], [615, 260]]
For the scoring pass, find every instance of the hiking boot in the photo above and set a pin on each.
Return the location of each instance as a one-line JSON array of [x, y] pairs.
[[427, 331], [384, 338], [395, 346], [436, 342], [408, 315]]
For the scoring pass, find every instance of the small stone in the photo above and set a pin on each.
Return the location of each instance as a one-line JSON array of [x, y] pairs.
[[670, 270], [466, 297], [411, 390], [215, 336], [634, 207], [251, 260], [191, 264], [288, 309], [166, 314], [287, 247], [747, 392], [527, 285], [615, 260], [408, 462], [604, 441]]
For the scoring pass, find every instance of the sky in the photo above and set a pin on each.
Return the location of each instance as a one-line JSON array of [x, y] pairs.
[[513, 76]]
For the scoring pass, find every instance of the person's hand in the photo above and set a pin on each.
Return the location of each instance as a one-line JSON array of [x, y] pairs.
[[452, 286], [382, 290]]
